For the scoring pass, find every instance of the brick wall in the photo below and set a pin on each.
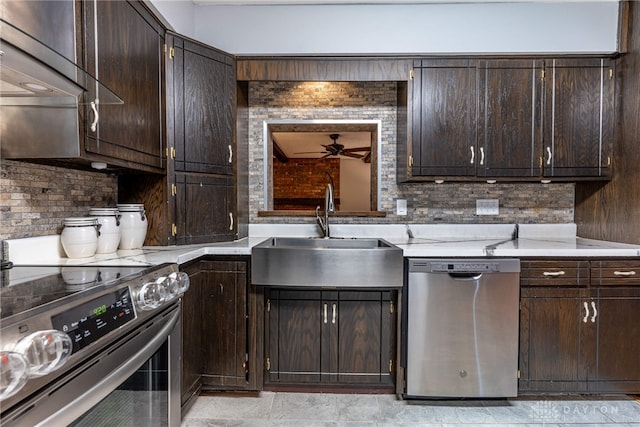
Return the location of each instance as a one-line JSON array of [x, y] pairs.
[[37, 198], [427, 202], [304, 180]]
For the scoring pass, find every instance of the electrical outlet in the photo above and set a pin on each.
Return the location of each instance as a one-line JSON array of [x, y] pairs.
[[487, 207], [401, 206]]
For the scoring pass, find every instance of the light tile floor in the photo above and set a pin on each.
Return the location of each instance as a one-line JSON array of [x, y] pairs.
[[353, 410]]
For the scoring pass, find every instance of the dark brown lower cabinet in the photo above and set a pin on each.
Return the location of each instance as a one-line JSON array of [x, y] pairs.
[[224, 324], [552, 338], [217, 335], [616, 368], [330, 337], [580, 333], [192, 335]]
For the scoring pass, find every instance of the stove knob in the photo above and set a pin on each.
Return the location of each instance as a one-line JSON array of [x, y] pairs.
[[14, 369], [171, 286], [151, 295], [183, 281], [45, 351]]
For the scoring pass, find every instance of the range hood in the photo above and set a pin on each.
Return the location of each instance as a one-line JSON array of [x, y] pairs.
[[40, 94]]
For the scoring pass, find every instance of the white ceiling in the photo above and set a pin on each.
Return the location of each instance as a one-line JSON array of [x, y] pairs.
[[310, 144]]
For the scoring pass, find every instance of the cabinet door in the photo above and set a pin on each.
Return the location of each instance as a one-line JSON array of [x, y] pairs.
[[551, 333], [364, 349], [294, 333], [579, 117], [509, 119], [331, 337], [123, 49], [444, 119], [554, 353], [618, 324], [204, 208], [224, 324], [192, 334], [617, 369], [204, 101]]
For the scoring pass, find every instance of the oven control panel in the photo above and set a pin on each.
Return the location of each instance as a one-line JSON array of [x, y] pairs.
[[88, 322]]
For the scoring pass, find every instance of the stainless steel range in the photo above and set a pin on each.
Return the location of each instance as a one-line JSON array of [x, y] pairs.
[[90, 345]]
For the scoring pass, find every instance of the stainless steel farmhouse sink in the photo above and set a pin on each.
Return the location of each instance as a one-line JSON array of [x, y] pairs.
[[332, 263]]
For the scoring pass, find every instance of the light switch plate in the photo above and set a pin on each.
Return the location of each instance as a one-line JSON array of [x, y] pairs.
[[487, 207], [401, 206]]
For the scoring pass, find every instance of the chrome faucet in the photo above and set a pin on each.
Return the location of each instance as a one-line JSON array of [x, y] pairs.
[[329, 206]]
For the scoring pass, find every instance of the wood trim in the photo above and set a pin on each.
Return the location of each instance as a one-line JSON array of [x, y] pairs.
[[323, 69]]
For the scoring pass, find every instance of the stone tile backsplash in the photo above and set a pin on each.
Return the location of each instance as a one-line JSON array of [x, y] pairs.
[[36, 198]]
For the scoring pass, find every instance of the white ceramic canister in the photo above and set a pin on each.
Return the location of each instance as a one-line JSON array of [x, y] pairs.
[[133, 226], [109, 219], [79, 236]]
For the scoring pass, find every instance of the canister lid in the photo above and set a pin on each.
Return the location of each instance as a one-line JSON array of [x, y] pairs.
[[103, 212], [85, 221], [131, 207]]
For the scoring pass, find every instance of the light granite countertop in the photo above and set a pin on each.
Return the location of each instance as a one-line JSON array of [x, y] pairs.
[[427, 240]]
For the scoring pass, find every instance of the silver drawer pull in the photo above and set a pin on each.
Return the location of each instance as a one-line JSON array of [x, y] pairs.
[[595, 312], [96, 116], [325, 313], [335, 312], [553, 273], [624, 273], [549, 155], [586, 312]]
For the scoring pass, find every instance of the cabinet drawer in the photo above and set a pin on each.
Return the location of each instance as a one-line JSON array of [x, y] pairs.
[[615, 273], [554, 273]]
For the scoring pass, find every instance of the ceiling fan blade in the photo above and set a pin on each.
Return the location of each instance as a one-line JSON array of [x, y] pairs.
[[350, 150], [354, 155], [310, 152], [326, 155]]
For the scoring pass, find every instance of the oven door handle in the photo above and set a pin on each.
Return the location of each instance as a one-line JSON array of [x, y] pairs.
[[87, 400]]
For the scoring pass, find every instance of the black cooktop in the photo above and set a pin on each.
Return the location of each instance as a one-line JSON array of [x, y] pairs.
[[24, 288]]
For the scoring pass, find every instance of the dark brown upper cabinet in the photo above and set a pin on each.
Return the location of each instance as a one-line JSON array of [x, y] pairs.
[[509, 118], [579, 117], [443, 133], [201, 142], [123, 49], [203, 81]]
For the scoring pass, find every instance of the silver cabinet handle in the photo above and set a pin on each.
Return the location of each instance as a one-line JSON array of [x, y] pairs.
[[553, 273], [230, 154], [231, 221], [586, 312], [595, 312], [481, 156], [473, 155], [335, 312], [96, 117], [325, 313], [624, 273], [549, 155]]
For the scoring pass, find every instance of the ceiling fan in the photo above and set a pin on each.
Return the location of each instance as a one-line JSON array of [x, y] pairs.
[[336, 149]]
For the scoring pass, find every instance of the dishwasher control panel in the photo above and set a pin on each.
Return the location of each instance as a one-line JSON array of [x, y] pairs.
[[463, 265]]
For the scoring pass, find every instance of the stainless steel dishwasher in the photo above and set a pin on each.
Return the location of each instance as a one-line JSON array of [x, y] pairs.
[[462, 328]]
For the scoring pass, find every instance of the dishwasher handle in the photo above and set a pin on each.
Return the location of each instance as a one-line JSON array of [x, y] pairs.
[[465, 276]]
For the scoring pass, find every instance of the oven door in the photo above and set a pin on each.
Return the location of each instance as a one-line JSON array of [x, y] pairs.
[[135, 381]]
